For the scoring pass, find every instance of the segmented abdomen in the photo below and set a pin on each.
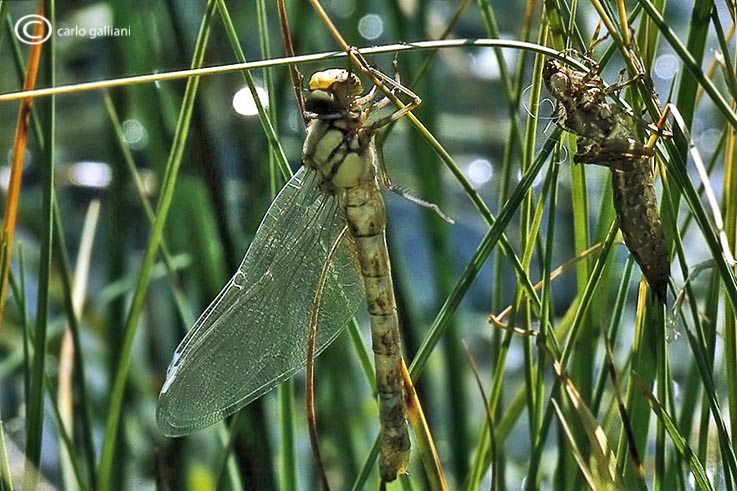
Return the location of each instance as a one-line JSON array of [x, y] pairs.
[[366, 219], [639, 220]]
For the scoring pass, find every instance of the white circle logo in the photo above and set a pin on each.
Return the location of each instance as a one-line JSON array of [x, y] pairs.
[[26, 26]]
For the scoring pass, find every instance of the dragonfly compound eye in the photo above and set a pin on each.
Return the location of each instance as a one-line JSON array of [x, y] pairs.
[[322, 102], [551, 67], [556, 80], [332, 91]]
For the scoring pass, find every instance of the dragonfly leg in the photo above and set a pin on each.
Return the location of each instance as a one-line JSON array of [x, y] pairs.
[[398, 114], [596, 40], [388, 84], [403, 192], [587, 60], [622, 83], [396, 83], [593, 66], [363, 100]]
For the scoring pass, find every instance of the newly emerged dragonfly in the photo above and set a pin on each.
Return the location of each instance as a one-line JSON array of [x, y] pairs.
[[328, 222], [607, 137]]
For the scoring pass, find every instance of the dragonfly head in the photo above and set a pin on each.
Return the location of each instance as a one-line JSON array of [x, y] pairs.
[[556, 79], [332, 91]]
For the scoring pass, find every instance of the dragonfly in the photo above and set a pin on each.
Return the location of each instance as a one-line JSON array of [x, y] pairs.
[[607, 137], [319, 251]]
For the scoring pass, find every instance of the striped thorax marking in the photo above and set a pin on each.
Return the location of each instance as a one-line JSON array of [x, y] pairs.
[[337, 144]]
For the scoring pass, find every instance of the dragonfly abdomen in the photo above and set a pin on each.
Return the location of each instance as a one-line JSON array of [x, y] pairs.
[[639, 220], [366, 219]]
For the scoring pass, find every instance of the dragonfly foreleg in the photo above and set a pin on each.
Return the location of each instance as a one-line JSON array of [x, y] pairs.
[[623, 83], [388, 84], [403, 192], [361, 101], [591, 63]]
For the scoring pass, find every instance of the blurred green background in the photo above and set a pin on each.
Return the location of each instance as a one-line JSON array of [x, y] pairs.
[[477, 104]]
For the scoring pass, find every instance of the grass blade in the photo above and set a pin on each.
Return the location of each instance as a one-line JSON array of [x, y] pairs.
[[35, 417], [175, 158]]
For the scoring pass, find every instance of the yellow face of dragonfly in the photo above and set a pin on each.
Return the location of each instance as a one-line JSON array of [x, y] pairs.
[[332, 91], [336, 79]]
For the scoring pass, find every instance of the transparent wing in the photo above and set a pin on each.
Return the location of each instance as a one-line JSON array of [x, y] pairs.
[[255, 333]]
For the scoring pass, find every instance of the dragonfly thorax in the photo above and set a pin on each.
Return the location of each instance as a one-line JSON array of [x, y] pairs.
[[337, 143], [586, 111], [336, 148]]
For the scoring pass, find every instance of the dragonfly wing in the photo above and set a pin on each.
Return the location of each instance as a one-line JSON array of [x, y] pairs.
[[255, 333]]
